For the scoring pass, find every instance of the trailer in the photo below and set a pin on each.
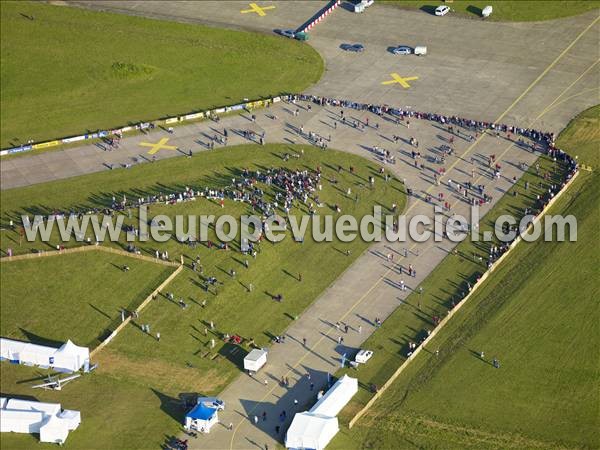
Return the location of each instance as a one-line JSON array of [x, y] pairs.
[[255, 360]]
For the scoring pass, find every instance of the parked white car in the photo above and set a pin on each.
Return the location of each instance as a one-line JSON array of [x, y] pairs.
[[363, 356], [402, 50], [442, 10]]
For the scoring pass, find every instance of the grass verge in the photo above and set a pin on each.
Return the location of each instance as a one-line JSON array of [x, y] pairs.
[[536, 314], [90, 70], [506, 10], [134, 365]]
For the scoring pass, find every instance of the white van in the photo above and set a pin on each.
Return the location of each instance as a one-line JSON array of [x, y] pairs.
[[363, 356], [486, 12], [420, 50]]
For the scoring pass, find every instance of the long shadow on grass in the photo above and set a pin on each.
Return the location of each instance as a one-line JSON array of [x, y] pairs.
[[478, 356], [37, 339], [171, 406]]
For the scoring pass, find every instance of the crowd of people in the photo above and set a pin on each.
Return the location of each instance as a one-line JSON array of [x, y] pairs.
[[400, 114], [300, 185]]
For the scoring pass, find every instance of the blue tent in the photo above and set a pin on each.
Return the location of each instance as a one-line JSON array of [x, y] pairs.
[[204, 415], [201, 412]]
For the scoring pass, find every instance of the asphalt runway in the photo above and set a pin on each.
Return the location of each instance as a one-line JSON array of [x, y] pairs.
[[473, 67]]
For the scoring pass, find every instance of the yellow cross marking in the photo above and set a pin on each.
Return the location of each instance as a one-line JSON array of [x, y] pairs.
[[160, 145], [398, 79], [260, 10]]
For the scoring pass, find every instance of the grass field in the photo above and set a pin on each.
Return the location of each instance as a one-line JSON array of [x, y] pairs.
[[182, 361], [507, 10], [538, 315], [77, 296], [130, 69], [582, 137]]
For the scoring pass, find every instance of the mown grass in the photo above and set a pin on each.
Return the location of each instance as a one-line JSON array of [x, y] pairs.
[[506, 10], [115, 413], [65, 70], [77, 296], [183, 361], [537, 314], [582, 137]]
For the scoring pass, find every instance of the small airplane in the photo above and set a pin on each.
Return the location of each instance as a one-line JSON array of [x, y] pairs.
[[56, 383]]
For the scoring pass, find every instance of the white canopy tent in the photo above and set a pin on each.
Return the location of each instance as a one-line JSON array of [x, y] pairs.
[[336, 398], [71, 418], [27, 405], [48, 419], [20, 421], [54, 430], [311, 431], [69, 357], [315, 428], [25, 353], [10, 349], [204, 415]]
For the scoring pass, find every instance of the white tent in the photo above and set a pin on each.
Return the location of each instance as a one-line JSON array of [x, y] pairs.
[[310, 430], [47, 419], [54, 430], [10, 349], [204, 415], [37, 355], [315, 428], [20, 421], [336, 398], [71, 357], [71, 418], [25, 353], [28, 405]]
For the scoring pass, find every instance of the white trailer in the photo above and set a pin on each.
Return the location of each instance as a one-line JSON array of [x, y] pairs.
[[420, 50], [486, 12], [255, 360]]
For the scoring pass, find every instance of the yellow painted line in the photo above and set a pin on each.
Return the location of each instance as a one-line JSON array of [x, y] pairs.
[[254, 8], [403, 81], [544, 111], [585, 91], [558, 58], [413, 205], [555, 104], [157, 146]]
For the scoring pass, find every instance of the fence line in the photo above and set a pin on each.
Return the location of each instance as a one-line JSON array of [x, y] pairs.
[[139, 309], [454, 310], [206, 114], [319, 16], [87, 248]]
